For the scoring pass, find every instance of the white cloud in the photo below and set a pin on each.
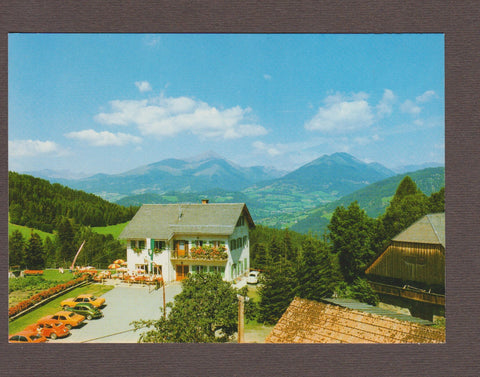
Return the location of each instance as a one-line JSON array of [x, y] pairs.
[[143, 86], [167, 116], [340, 115], [29, 148], [410, 107], [267, 77], [385, 106], [103, 138], [427, 96], [269, 149]]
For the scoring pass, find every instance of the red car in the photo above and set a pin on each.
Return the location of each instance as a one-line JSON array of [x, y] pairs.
[[26, 336], [49, 328]]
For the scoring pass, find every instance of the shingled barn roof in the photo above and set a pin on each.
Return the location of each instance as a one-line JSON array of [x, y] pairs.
[[307, 321], [429, 229], [162, 221]]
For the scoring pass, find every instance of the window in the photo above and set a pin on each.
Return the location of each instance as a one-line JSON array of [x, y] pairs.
[[244, 240], [198, 243], [160, 245], [141, 244], [233, 244], [198, 269], [241, 221]]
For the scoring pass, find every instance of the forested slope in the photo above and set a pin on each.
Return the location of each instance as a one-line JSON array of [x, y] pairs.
[[37, 203]]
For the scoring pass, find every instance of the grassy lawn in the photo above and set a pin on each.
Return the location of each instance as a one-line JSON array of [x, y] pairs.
[[26, 231], [114, 230], [22, 288], [54, 306], [255, 332]]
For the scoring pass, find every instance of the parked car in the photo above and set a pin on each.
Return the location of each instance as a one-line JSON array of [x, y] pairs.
[[252, 277], [27, 336], [49, 328], [88, 298], [69, 319], [87, 310]]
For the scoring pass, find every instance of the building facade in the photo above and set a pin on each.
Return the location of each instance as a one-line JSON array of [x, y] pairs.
[[411, 271], [175, 240]]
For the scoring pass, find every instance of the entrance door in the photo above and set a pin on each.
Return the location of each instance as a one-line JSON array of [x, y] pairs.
[[181, 248], [182, 271]]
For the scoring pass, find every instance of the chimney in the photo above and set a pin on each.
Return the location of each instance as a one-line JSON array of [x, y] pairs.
[[204, 201]]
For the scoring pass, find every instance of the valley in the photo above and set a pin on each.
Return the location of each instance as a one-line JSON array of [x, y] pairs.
[[303, 199]]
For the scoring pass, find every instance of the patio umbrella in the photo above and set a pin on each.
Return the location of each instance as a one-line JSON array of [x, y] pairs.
[[124, 263], [119, 261], [122, 269], [113, 266]]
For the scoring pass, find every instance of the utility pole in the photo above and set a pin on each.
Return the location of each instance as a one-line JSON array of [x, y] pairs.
[[241, 320], [164, 307]]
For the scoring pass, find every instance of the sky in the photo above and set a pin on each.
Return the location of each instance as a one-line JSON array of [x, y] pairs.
[[108, 103]]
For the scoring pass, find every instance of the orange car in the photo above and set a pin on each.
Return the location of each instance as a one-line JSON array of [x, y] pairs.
[[91, 299], [27, 336], [69, 319], [49, 328]]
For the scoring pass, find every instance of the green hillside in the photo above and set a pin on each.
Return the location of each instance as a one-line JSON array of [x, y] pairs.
[[114, 230], [374, 198], [26, 231], [36, 203]]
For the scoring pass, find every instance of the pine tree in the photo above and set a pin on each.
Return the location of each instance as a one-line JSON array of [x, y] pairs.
[[66, 240], [49, 252], [289, 250], [407, 206], [436, 201], [352, 233], [277, 291], [16, 249], [34, 258], [315, 276]]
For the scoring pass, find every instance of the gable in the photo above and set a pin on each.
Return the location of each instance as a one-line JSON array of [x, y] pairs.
[[307, 321]]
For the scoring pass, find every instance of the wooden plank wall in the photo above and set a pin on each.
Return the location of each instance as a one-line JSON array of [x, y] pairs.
[[407, 261]]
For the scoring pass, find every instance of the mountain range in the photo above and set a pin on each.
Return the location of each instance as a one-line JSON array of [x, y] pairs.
[[331, 176], [275, 198]]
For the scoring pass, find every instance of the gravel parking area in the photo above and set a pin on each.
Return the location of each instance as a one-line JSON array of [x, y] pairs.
[[124, 304]]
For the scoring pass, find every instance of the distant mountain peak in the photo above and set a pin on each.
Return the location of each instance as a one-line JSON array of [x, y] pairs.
[[205, 156]]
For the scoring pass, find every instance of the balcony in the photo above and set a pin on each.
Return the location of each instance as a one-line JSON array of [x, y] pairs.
[[201, 253]]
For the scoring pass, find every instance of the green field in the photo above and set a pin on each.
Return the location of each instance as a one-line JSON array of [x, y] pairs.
[[26, 231], [54, 306], [114, 230]]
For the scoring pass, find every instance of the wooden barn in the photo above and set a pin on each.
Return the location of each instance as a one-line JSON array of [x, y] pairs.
[[412, 268]]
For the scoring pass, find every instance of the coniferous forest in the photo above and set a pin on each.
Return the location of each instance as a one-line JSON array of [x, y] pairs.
[[312, 267], [67, 214], [36, 203], [293, 264]]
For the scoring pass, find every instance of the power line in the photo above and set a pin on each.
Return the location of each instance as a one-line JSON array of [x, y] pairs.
[[106, 336]]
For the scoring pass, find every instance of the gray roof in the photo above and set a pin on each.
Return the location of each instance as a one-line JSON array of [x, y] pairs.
[[429, 229], [163, 221], [357, 305]]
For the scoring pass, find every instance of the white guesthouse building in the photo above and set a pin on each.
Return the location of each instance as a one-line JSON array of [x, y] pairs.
[[177, 239]]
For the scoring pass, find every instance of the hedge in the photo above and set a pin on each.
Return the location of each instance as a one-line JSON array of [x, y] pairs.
[[21, 306]]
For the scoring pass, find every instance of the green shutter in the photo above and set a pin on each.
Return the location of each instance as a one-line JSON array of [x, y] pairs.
[[152, 244]]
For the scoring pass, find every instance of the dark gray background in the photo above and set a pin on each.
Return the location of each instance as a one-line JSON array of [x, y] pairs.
[[457, 20]]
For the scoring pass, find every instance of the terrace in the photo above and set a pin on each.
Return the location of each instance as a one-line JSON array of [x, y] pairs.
[[204, 253]]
